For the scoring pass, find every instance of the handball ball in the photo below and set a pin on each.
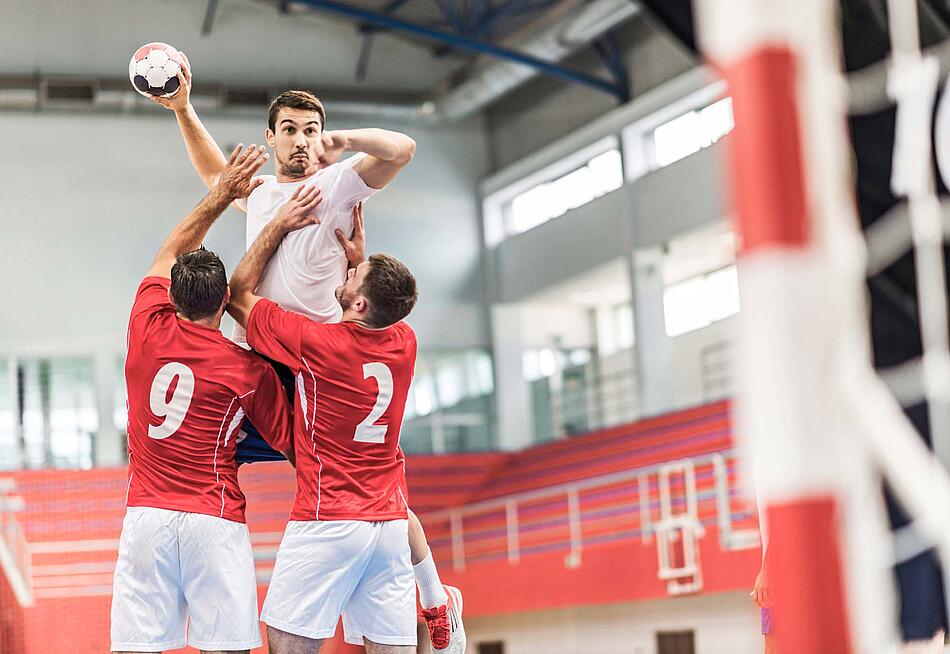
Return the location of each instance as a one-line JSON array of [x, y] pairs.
[[154, 70]]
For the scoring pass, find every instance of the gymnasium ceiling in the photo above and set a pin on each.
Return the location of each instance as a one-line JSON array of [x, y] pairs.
[[360, 50]]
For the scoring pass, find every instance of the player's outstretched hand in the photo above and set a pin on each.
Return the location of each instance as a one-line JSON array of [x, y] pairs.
[[355, 247], [300, 210], [237, 180], [181, 100]]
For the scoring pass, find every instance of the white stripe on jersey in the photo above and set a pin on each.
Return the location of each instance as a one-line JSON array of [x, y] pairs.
[[238, 416], [217, 477], [313, 441], [404, 500], [235, 423]]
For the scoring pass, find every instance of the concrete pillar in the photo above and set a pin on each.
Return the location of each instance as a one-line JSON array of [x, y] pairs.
[[653, 349], [512, 393], [108, 449]]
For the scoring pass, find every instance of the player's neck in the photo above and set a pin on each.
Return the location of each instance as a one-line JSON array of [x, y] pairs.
[[283, 177], [354, 317], [212, 322], [287, 179]]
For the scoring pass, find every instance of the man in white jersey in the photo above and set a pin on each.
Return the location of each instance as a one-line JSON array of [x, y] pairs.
[[310, 264]]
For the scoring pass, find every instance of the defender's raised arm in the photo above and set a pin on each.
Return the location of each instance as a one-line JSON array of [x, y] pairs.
[[235, 183], [297, 212]]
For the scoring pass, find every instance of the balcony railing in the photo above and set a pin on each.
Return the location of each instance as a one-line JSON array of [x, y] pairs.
[[673, 501]]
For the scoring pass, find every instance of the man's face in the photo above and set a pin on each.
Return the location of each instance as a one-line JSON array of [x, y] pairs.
[[349, 292], [295, 139]]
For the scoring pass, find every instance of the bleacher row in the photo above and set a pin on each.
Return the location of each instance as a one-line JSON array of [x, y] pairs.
[[72, 521]]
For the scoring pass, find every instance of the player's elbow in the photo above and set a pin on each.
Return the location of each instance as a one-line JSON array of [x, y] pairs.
[[238, 309], [407, 150]]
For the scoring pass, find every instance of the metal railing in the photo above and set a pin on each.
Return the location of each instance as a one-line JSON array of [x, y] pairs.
[[648, 491], [14, 550]]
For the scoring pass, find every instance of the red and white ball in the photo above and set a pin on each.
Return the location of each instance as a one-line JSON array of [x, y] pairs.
[[154, 70]]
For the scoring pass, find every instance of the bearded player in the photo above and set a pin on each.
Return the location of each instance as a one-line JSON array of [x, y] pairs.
[[345, 550], [185, 551], [309, 264]]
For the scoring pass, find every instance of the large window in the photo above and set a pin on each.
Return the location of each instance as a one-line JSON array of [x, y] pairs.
[[58, 413], [700, 301], [692, 132], [449, 403], [599, 176], [544, 362]]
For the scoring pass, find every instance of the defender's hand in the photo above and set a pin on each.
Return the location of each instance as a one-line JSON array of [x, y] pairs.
[[355, 248], [237, 180], [300, 210], [181, 100]]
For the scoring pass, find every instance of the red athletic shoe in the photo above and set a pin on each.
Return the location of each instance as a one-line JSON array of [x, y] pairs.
[[445, 624]]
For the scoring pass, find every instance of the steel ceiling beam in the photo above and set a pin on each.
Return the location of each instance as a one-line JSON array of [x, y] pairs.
[[208, 22], [469, 44]]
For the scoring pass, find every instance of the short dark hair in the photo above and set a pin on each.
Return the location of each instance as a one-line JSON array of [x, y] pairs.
[[199, 284], [295, 100], [390, 289]]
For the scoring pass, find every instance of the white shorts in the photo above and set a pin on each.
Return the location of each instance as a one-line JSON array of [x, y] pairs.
[[361, 570], [176, 567]]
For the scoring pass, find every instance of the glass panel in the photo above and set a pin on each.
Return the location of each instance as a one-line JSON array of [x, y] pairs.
[[584, 393], [698, 302], [684, 307], [599, 176], [692, 132], [59, 412], [449, 404], [677, 139], [722, 288]]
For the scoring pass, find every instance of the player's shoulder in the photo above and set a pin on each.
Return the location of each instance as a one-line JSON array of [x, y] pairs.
[[246, 365], [236, 353], [403, 329], [151, 297], [337, 336], [153, 284]]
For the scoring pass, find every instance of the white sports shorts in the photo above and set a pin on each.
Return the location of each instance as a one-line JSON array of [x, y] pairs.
[[176, 568], [361, 570]]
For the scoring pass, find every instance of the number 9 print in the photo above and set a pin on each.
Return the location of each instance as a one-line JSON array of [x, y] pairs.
[[173, 410]]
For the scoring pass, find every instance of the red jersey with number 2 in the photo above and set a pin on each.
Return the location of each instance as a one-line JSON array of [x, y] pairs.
[[352, 384], [189, 388]]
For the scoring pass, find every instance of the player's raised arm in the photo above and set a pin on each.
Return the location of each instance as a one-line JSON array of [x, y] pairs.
[[297, 212], [236, 182], [389, 152], [270, 413], [206, 157]]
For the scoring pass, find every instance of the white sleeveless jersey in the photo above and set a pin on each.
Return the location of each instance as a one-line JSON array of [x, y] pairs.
[[309, 264]]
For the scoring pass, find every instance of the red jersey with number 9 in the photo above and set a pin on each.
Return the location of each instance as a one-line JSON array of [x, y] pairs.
[[189, 388], [352, 384]]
